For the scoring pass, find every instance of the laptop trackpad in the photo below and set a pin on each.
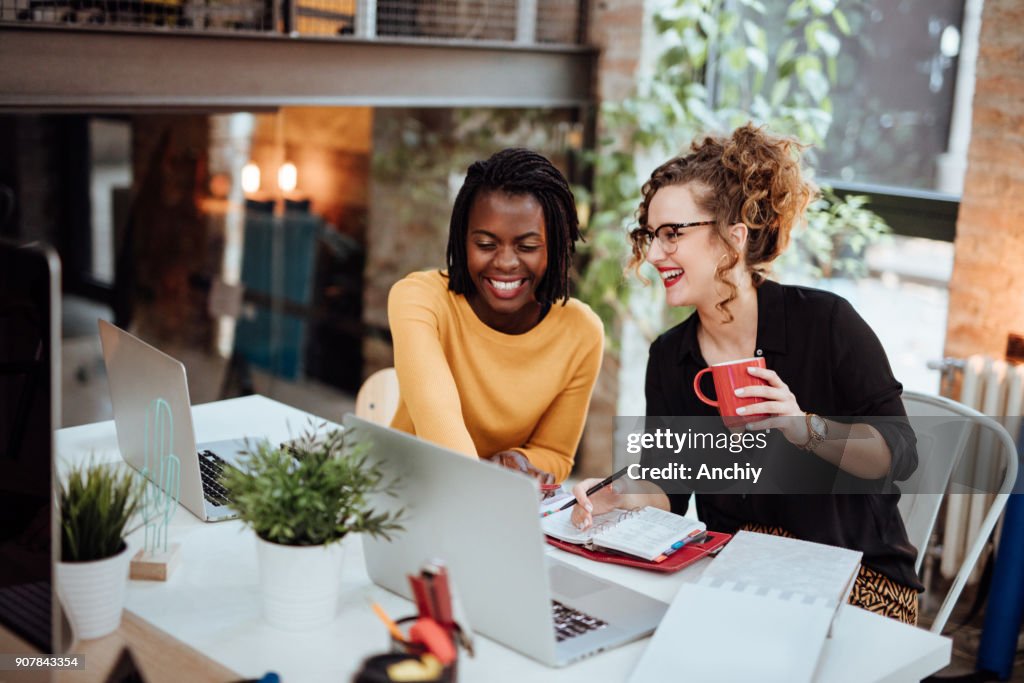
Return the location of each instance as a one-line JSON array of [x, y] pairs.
[[573, 583]]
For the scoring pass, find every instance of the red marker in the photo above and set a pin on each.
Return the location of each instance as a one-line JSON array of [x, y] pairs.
[[419, 593]]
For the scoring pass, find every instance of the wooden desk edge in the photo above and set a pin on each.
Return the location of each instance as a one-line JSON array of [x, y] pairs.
[[161, 657]]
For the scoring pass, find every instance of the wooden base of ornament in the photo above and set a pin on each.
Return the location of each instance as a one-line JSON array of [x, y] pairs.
[[156, 566]]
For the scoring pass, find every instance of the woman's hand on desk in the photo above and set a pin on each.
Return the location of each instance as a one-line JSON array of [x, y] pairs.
[[514, 460], [640, 494], [600, 502]]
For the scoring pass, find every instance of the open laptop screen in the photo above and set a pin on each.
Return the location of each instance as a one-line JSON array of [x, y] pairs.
[[29, 412]]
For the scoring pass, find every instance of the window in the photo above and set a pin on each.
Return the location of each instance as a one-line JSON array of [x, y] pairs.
[[894, 97]]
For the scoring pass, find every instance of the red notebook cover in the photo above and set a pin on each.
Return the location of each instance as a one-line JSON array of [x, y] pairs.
[[684, 557]]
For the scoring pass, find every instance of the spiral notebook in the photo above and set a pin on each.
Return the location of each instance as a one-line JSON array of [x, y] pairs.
[[648, 533], [776, 597]]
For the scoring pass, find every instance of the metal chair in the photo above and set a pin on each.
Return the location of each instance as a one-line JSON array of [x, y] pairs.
[[377, 400], [940, 447]]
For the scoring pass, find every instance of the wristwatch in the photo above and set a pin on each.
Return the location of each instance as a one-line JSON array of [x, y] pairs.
[[817, 431]]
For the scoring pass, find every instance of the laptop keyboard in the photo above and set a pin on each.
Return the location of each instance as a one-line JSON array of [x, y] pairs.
[[210, 468], [570, 623]]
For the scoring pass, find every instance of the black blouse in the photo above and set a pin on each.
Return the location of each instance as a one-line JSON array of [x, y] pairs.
[[835, 366]]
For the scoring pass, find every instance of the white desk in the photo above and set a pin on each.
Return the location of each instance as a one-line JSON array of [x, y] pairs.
[[212, 601]]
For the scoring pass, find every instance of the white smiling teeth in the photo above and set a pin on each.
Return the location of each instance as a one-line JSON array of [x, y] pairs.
[[506, 286], [669, 274]]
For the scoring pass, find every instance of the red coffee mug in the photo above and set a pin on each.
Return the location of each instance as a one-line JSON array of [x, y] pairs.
[[728, 377]]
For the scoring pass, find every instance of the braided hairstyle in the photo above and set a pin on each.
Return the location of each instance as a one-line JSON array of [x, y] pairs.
[[750, 177], [518, 172]]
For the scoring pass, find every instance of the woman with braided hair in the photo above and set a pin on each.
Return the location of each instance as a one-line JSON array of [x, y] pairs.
[[494, 359], [711, 222]]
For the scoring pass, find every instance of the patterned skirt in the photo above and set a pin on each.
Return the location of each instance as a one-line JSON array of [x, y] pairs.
[[871, 591]]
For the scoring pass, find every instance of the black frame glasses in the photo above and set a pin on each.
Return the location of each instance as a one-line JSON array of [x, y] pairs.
[[667, 234]]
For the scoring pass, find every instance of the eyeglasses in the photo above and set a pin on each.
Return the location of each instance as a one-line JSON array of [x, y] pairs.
[[667, 235]]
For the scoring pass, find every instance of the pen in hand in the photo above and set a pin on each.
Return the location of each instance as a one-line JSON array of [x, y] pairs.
[[594, 489]]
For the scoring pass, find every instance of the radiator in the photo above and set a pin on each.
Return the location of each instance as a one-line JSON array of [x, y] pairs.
[[995, 388]]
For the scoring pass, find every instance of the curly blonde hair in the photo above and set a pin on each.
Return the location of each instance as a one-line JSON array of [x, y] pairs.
[[750, 177]]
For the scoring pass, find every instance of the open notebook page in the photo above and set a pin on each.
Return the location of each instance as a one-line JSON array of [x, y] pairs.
[[559, 525], [649, 533], [646, 533]]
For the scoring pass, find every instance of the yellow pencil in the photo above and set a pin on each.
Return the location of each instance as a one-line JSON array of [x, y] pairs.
[[392, 626]]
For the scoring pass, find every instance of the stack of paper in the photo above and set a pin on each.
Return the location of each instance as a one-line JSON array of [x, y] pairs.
[[824, 573], [761, 611]]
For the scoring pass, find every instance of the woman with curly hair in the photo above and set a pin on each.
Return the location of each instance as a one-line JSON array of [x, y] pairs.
[[494, 358], [711, 222]]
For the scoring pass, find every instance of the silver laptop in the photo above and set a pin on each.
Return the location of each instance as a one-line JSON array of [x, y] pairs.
[[484, 522], [139, 373]]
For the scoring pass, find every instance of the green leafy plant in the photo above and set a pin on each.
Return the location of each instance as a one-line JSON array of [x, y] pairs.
[[838, 231], [712, 73], [312, 492], [96, 504]]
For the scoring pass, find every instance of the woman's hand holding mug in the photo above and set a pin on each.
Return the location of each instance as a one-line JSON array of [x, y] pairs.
[[776, 400], [728, 378]]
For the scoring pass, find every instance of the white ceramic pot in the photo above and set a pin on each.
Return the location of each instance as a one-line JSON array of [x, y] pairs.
[[299, 584], [93, 593]]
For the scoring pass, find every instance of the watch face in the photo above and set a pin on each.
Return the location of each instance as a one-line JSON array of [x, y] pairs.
[[819, 425]]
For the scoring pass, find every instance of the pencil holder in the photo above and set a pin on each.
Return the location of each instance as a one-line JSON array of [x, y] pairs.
[[449, 673], [376, 669]]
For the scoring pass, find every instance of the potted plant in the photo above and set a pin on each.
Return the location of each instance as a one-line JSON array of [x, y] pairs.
[[96, 504], [302, 500]]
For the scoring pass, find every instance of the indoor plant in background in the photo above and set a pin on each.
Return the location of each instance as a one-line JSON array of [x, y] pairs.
[[716, 67], [302, 500], [96, 504]]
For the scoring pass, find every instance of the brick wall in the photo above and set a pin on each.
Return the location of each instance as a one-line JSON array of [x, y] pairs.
[[986, 299], [616, 27]]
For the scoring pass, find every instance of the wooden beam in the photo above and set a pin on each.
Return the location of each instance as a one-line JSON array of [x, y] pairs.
[[54, 69]]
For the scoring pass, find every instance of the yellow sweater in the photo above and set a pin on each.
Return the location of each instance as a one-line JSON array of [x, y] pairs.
[[478, 391]]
